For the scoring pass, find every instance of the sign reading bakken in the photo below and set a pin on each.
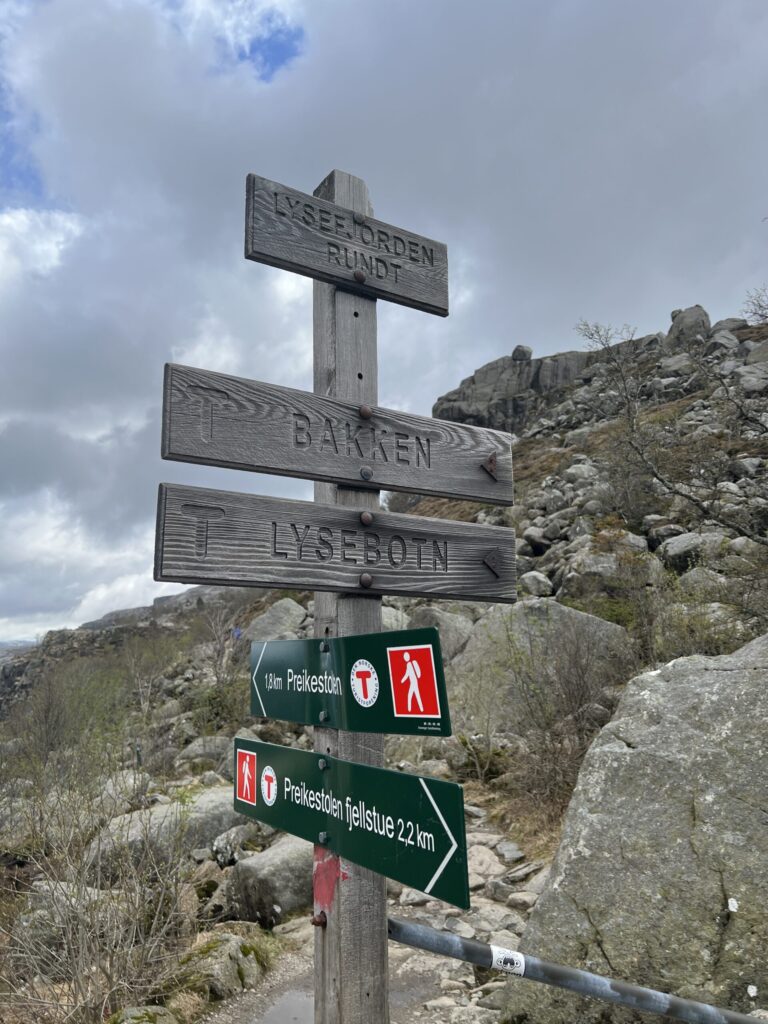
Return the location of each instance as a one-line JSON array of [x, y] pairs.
[[373, 682], [319, 239], [222, 537], [218, 420], [407, 827]]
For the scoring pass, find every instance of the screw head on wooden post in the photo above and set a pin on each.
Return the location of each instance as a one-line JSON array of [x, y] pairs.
[[359, 276], [366, 473], [365, 412], [366, 518], [366, 580]]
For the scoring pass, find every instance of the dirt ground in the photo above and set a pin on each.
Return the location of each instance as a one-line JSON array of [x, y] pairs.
[[423, 987]]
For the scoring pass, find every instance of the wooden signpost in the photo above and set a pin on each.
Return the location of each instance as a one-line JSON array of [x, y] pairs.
[[332, 241], [351, 552], [220, 420], [206, 536]]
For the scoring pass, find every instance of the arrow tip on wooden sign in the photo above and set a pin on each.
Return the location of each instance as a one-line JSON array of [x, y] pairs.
[[494, 561]]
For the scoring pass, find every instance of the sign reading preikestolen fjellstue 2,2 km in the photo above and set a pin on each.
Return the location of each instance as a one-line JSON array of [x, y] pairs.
[[375, 682], [407, 827], [319, 239]]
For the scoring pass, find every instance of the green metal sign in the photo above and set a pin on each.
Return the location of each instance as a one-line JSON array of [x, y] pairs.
[[407, 827], [374, 682]]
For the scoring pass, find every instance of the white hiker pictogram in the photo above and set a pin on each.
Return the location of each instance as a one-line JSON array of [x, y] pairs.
[[247, 779], [412, 675]]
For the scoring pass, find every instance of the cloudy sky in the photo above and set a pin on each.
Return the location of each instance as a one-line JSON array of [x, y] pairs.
[[580, 158]]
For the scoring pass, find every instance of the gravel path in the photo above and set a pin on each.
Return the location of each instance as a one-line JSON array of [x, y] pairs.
[[422, 988]]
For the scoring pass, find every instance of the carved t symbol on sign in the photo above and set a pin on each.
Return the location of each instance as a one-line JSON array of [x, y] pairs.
[[208, 398], [202, 513]]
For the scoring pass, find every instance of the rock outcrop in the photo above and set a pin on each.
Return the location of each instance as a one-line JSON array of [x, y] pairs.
[[530, 397], [660, 877]]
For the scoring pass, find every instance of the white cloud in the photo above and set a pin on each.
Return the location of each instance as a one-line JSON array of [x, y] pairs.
[[566, 180], [132, 590], [55, 538], [234, 22], [212, 348], [34, 241]]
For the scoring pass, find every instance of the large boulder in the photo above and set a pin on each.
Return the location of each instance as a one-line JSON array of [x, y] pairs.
[[275, 882], [222, 965], [686, 550], [167, 830], [211, 750], [509, 643], [454, 629], [281, 621], [688, 326], [661, 878]]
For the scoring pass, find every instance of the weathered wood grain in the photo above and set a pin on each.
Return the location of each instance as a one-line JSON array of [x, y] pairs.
[[207, 536], [351, 976], [342, 246], [219, 420]]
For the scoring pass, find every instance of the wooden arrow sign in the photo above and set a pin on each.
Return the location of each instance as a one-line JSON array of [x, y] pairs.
[[227, 421], [311, 236], [206, 536]]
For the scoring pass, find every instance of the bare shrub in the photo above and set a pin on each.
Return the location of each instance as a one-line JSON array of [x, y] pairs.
[[755, 307], [563, 689], [530, 710], [104, 921]]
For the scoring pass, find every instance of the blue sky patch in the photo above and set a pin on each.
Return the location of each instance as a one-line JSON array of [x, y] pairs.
[[20, 181], [272, 51]]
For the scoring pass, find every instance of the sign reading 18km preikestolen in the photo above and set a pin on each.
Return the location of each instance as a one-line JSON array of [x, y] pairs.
[[406, 827], [376, 682]]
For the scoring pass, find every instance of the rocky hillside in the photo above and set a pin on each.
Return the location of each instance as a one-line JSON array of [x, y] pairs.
[[631, 668], [531, 397]]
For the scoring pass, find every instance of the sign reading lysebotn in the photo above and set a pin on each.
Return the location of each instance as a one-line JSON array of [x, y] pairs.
[[375, 682], [407, 827], [222, 537]]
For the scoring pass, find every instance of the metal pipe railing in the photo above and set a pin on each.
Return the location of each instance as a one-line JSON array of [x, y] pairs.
[[524, 965]]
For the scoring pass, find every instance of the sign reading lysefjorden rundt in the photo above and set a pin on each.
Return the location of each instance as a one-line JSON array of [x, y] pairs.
[[319, 239], [407, 827], [375, 682], [223, 537], [218, 420]]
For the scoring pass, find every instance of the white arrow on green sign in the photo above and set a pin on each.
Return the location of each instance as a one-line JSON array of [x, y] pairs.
[[407, 827], [374, 682]]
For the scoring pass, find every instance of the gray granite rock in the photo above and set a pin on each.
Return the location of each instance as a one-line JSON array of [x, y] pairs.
[[687, 326], [454, 629], [280, 877], [661, 878], [281, 621]]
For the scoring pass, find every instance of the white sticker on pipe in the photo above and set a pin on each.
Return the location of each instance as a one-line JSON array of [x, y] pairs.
[[507, 960]]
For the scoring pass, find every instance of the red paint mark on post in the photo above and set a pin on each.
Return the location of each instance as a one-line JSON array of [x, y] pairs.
[[325, 876]]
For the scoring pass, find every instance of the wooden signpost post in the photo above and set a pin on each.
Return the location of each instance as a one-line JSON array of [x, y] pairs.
[[350, 551]]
